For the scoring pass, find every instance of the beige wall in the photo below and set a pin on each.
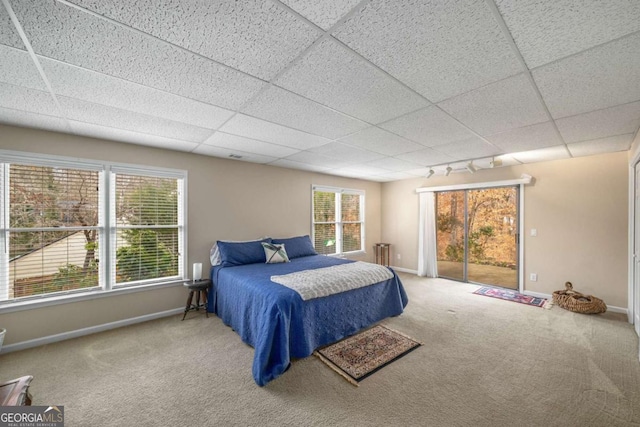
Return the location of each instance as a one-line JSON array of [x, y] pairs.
[[578, 206], [227, 199]]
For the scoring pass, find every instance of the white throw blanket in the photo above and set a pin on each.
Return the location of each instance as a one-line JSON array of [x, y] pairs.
[[335, 279]]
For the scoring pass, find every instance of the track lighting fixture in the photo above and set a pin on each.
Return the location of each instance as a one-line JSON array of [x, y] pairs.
[[471, 168], [430, 173], [447, 171], [494, 163]]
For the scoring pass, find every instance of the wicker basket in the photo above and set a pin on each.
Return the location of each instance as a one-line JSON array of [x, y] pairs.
[[575, 301]]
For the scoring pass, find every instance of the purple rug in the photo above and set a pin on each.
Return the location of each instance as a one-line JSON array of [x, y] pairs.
[[514, 296]]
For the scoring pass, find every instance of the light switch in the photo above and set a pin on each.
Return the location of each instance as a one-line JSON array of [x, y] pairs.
[[534, 232]]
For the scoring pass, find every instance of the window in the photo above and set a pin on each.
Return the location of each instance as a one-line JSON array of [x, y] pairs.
[[78, 227], [338, 220]]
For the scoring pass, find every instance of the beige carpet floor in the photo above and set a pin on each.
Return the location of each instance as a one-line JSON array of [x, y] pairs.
[[485, 362]]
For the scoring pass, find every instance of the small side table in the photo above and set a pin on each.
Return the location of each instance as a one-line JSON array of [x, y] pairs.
[[16, 392], [198, 287], [382, 253]]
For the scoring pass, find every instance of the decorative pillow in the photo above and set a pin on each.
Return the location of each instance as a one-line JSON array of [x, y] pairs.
[[214, 253], [274, 253], [297, 246], [240, 253]]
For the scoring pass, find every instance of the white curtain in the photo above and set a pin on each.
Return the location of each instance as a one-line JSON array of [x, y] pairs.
[[428, 249]]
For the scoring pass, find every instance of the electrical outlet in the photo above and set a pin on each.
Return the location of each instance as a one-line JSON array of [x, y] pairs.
[[533, 277], [399, 256]]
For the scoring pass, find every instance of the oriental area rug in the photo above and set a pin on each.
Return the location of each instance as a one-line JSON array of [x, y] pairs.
[[514, 296], [360, 355]]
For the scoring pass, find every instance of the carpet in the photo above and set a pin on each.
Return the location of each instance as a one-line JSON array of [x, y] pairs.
[[514, 296], [358, 356]]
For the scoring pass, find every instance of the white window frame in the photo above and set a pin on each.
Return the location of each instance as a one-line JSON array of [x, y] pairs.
[[106, 229], [338, 215]]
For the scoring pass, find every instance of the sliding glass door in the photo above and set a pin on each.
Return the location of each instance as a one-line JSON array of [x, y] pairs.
[[477, 235]]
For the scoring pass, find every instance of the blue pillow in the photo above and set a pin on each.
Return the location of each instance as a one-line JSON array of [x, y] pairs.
[[297, 246], [240, 253]]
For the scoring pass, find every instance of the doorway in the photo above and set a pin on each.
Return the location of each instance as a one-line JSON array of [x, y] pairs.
[[477, 235]]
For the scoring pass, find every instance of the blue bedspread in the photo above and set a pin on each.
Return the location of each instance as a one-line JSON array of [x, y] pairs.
[[279, 325]]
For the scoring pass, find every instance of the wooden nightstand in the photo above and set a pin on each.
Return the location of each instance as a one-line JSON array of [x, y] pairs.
[[198, 287]]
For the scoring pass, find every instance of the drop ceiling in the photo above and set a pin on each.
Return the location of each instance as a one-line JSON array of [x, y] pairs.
[[376, 89]]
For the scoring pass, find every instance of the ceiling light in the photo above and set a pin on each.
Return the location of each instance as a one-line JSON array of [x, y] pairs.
[[447, 171], [430, 173], [471, 168]]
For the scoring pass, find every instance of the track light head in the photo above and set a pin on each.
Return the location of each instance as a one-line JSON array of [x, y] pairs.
[[430, 173], [447, 171], [494, 163], [471, 168]]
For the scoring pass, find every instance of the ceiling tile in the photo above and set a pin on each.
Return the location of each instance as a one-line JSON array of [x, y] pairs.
[[234, 142], [318, 159], [381, 141], [334, 77], [225, 153], [17, 68], [527, 138], [297, 165], [82, 111], [256, 36], [393, 176], [507, 104], [470, 148], [253, 128], [105, 132], [8, 34], [25, 99], [393, 164], [440, 49], [546, 30], [430, 126], [598, 78], [542, 155], [360, 170], [286, 108], [346, 152], [602, 145], [424, 171], [64, 33], [426, 157], [322, 13], [79, 83], [33, 120], [602, 123]]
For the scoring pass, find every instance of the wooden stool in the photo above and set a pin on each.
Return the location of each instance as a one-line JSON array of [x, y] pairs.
[[16, 392], [198, 287]]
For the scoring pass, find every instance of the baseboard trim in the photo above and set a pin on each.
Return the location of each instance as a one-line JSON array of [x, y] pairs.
[[611, 308], [36, 342], [404, 270]]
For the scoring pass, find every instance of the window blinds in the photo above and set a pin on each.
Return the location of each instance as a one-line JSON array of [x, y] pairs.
[[338, 218], [50, 230], [147, 227]]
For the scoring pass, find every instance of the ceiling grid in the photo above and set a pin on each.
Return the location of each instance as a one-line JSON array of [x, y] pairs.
[[373, 89]]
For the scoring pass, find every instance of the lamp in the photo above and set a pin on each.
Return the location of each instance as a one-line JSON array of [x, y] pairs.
[[197, 271], [430, 173], [471, 168], [447, 171]]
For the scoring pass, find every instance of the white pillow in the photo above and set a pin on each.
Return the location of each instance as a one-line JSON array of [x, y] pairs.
[[274, 253], [214, 253]]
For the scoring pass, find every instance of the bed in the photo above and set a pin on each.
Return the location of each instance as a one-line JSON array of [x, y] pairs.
[[277, 322]]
